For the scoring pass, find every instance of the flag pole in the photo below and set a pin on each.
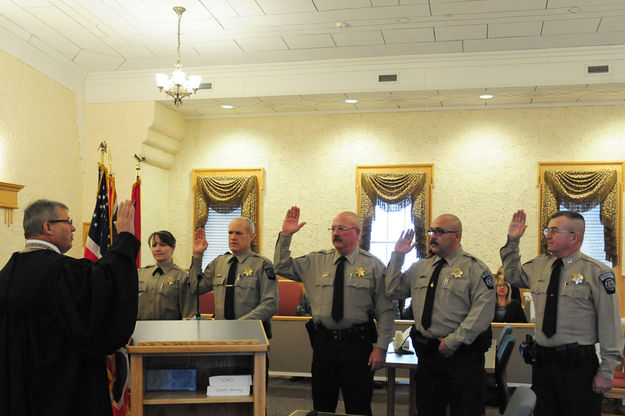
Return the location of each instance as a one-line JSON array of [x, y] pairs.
[[102, 149]]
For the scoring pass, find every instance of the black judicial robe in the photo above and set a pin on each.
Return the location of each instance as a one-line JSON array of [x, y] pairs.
[[59, 317]]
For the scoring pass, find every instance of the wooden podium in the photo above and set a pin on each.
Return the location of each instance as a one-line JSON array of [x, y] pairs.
[[209, 347]]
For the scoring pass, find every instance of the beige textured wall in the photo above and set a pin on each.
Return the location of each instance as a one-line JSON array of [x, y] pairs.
[[485, 164], [38, 145]]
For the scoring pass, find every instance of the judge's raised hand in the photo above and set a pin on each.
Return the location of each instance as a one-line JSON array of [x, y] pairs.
[[125, 217], [199, 242], [405, 244], [291, 223], [517, 226]]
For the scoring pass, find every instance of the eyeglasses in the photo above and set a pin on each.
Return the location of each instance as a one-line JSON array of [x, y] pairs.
[[69, 221], [341, 229], [554, 230], [439, 231]]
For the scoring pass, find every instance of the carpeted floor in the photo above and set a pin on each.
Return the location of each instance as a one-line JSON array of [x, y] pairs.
[[284, 396]]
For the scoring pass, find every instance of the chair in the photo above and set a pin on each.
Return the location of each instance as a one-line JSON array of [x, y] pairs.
[[290, 295], [521, 403], [207, 303], [497, 394], [506, 330]]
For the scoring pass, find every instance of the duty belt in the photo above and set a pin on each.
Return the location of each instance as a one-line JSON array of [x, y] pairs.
[[364, 332], [567, 355]]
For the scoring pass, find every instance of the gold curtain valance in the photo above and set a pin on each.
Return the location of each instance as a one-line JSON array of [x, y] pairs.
[[223, 193], [582, 191], [390, 190]]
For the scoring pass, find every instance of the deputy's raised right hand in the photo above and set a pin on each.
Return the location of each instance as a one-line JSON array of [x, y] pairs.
[[199, 242], [291, 223], [517, 226]]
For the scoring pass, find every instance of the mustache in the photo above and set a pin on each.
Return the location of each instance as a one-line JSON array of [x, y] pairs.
[[337, 238]]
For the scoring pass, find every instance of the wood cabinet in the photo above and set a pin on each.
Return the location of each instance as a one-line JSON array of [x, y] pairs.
[[209, 347]]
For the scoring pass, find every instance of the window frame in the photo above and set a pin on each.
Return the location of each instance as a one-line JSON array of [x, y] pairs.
[[425, 168], [619, 167], [260, 175]]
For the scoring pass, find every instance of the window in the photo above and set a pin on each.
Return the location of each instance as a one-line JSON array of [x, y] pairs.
[[216, 230], [594, 242], [386, 229], [221, 195]]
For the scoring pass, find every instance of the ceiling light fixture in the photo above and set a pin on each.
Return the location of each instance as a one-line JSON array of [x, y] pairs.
[[351, 101], [177, 86], [486, 96], [227, 106]]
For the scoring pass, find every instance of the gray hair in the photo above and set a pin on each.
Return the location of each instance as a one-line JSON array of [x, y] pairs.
[[39, 212], [250, 225]]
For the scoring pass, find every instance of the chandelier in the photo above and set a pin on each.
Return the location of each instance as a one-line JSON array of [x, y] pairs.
[[178, 86]]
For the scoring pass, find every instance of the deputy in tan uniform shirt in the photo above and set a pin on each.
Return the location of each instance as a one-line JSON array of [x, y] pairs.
[[255, 284], [164, 291], [451, 343], [567, 377], [345, 351]]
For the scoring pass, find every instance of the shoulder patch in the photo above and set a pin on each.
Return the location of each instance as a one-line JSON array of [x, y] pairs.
[[487, 277], [608, 281], [271, 274]]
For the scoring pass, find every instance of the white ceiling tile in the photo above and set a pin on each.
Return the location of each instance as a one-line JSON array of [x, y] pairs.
[[383, 3], [15, 29], [58, 46], [282, 99], [553, 4], [261, 44], [246, 7], [219, 8], [169, 49], [569, 26], [512, 29], [93, 60], [309, 41], [133, 52], [443, 33], [31, 3], [87, 40], [286, 6], [425, 34], [475, 7], [612, 24], [341, 4], [351, 38], [216, 47]]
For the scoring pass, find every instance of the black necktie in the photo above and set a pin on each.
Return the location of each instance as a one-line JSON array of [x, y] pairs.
[[551, 306], [158, 271], [337, 299], [426, 316], [229, 301]]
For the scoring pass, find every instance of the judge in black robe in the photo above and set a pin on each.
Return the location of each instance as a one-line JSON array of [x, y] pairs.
[[60, 316]]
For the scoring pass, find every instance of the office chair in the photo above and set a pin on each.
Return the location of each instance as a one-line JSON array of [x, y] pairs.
[[521, 403], [497, 394], [506, 330]]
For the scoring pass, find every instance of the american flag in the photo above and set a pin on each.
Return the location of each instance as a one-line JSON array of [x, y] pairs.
[[99, 237]]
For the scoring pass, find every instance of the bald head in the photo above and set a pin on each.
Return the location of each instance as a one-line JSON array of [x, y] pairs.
[[450, 221], [449, 230]]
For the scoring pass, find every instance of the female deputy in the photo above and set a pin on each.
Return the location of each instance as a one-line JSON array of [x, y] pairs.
[[506, 308], [164, 292]]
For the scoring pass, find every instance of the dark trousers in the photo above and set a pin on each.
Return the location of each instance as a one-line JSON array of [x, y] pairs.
[[458, 381], [342, 366], [565, 388]]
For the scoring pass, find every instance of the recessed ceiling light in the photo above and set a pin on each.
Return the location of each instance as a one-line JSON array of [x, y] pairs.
[[351, 101], [403, 20], [486, 96], [227, 106], [575, 10]]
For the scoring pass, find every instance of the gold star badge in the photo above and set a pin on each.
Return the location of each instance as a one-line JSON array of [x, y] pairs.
[[457, 273], [360, 272], [248, 271], [578, 278], [171, 281]]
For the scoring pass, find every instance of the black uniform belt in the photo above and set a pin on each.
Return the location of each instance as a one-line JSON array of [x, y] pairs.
[[364, 332], [566, 354], [425, 345]]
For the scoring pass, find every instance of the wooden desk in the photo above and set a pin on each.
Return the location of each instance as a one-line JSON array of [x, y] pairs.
[[394, 361], [212, 348], [411, 361]]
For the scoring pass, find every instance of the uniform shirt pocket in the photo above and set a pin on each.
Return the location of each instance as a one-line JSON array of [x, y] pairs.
[[143, 286], [455, 293], [324, 286], [576, 291], [247, 290]]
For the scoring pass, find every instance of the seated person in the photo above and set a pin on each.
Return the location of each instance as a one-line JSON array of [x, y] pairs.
[[164, 292], [515, 292], [506, 308]]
